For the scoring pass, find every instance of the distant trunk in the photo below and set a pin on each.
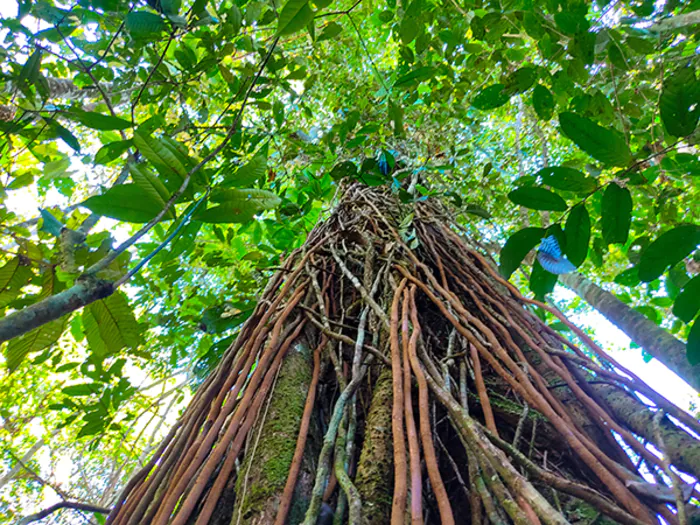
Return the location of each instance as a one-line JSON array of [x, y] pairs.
[[654, 339], [388, 372]]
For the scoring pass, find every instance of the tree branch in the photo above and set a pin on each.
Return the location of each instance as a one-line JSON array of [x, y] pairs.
[[76, 505]]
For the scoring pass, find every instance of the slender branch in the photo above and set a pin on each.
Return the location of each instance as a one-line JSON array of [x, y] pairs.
[[185, 220], [76, 505]]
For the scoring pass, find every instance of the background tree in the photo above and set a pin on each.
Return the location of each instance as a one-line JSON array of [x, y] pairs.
[[226, 132]]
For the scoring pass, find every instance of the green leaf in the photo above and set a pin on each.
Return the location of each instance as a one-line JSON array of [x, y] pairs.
[[152, 186], [98, 120], [126, 202], [477, 210], [171, 7], [343, 170], [330, 31], [159, 153], [83, 389], [14, 275], [110, 325], [143, 24], [616, 214], [491, 97], [679, 104], [687, 303], [517, 247], [8, 271], [278, 112], [408, 30], [628, 277], [520, 80], [541, 281], [578, 234], [111, 151], [295, 16], [537, 198], [256, 199], [34, 341], [40, 338], [225, 214], [50, 224], [543, 102], [692, 347], [64, 134], [415, 77], [238, 205], [567, 179], [605, 145], [671, 247], [248, 173]]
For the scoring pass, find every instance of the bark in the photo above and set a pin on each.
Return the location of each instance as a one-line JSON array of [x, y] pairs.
[[375, 471], [654, 339], [578, 420], [81, 294], [263, 474]]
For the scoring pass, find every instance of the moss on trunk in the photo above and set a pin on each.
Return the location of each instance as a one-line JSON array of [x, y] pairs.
[[263, 474], [375, 473]]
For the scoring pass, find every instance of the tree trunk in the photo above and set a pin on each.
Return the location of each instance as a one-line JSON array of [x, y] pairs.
[[654, 339], [436, 393]]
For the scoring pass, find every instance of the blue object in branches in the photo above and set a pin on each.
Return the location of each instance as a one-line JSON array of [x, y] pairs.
[[551, 258]]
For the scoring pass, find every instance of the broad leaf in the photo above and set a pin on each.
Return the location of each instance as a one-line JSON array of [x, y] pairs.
[[517, 247], [99, 121], [537, 199], [152, 186], [42, 337], [295, 16], [238, 205], [671, 247], [247, 174], [14, 275], [603, 144], [413, 78], [693, 344], [126, 202], [543, 102], [578, 234], [50, 224], [520, 80], [542, 282], [65, 135], [110, 325], [143, 24], [687, 304], [679, 104], [616, 214], [343, 169], [491, 97], [567, 179], [330, 31], [111, 151]]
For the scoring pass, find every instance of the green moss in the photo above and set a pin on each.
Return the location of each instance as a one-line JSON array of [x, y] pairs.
[[269, 466]]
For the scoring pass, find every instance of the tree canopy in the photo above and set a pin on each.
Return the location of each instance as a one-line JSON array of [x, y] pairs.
[[164, 157]]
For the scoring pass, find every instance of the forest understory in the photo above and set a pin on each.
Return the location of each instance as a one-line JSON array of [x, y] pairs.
[[390, 373]]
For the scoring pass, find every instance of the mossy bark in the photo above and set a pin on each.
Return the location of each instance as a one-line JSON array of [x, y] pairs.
[[375, 473], [263, 474]]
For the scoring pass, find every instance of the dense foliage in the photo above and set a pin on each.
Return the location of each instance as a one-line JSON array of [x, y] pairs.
[[218, 134]]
